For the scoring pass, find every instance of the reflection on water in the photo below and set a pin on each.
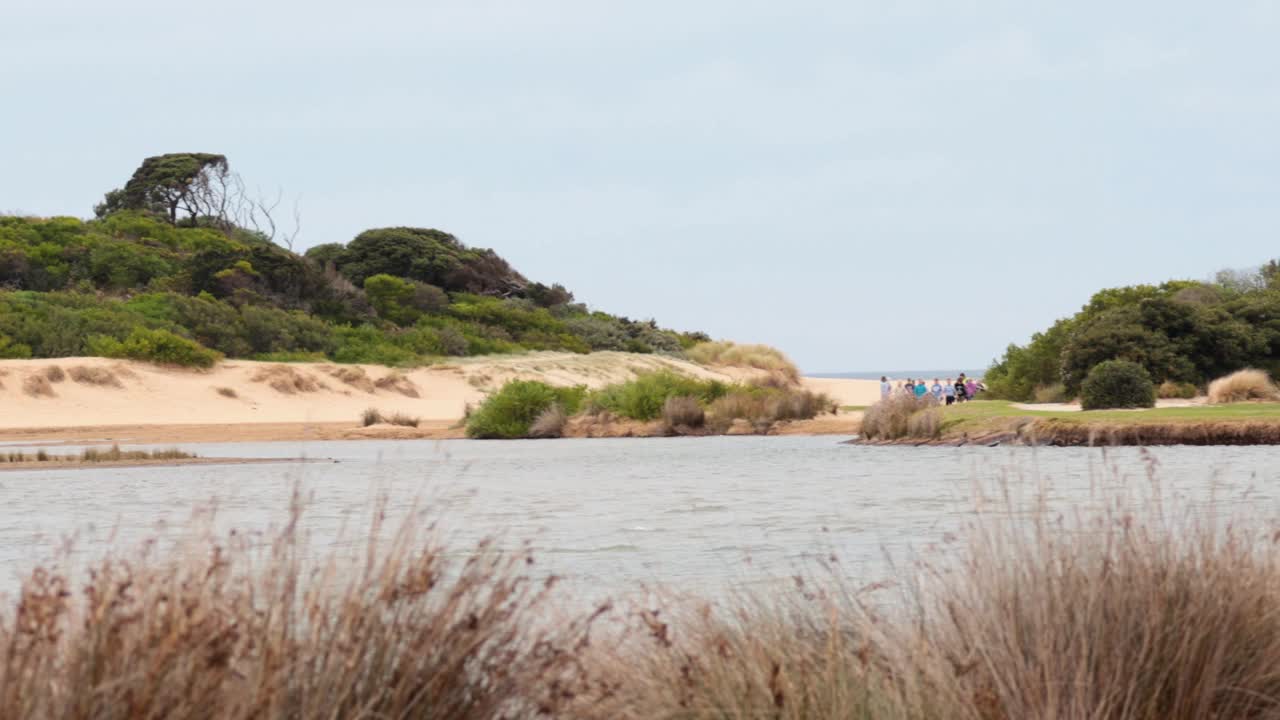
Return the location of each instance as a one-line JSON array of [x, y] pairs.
[[694, 513]]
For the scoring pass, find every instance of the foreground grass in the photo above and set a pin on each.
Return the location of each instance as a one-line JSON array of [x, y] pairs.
[[1125, 613]]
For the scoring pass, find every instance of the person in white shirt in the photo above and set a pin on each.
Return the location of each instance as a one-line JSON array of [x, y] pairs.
[[886, 387]]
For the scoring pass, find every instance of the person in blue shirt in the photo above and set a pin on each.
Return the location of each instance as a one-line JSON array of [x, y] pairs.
[[936, 390], [921, 389], [949, 392]]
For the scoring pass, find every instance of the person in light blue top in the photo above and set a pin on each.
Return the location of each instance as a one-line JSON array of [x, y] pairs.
[[921, 389], [936, 390], [949, 392], [886, 387]]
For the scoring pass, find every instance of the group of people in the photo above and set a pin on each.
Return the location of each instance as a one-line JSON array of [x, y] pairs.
[[962, 389]]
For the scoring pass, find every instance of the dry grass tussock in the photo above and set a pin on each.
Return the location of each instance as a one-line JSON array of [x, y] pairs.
[[730, 354], [894, 418], [550, 423], [54, 374], [1127, 611], [38, 386], [682, 415], [288, 380], [374, 416], [98, 376], [352, 375], [1121, 615], [227, 392], [227, 628], [395, 381], [1243, 386]]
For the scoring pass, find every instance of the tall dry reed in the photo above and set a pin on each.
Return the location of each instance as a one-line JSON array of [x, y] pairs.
[[224, 629], [1123, 610]]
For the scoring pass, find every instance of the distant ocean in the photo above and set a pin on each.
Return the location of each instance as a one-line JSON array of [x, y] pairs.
[[901, 374]]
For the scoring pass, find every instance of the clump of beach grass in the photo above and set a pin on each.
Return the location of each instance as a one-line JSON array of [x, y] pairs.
[[287, 380], [352, 375], [55, 374], [1243, 386], [99, 376], [38, 386], [891, 419], [730, 354], [374, 416], [227, 392], [397, 382]]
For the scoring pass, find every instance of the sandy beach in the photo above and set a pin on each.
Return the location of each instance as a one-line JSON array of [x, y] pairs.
[[77, 400]]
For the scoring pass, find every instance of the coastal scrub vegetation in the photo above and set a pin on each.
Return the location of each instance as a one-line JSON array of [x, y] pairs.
[[511, 412], [184, 250], [1124, 610], [1184, 332], [683, 404]]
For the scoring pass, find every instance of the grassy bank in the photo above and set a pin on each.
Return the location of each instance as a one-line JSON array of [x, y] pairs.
[[987, 421], [1127, 614]]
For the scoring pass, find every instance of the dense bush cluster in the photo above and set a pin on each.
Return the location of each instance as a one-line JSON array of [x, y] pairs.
[[1117, 384], [682, 403], [1181, 332], [511, 412], [151, 260]]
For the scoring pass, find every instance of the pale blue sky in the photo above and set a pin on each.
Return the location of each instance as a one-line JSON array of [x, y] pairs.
[[864, 184]]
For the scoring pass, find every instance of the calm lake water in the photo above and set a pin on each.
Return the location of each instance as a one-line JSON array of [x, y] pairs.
[[608, 514]]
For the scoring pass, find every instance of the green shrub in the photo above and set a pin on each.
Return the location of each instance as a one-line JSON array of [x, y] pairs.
[[512, 411], [643, 397], [1117, 384], [157, 346]]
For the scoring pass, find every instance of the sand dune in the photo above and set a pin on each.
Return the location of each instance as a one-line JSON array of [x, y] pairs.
[[244, 399]]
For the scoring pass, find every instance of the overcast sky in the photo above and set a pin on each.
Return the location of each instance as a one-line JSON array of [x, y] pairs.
[[867, 185]]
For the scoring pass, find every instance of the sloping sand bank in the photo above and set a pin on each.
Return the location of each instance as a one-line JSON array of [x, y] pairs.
[[97, 399]]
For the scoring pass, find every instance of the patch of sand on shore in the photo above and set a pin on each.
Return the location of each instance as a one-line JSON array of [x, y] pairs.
[[846, 391], [1075, 407]]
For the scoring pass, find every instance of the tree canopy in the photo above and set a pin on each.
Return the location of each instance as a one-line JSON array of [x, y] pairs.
[[166, 185], [171, 253], [1181, 331]]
